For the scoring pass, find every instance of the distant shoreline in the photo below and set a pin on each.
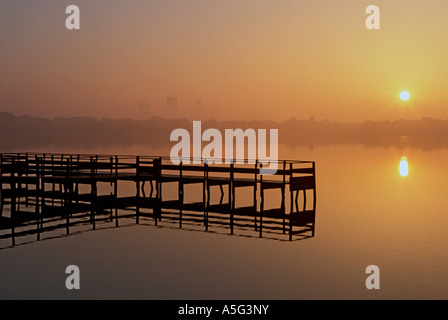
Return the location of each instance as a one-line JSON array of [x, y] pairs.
[[26, 131]]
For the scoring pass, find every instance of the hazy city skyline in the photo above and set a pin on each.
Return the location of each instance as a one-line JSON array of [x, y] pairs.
[[250, 59]]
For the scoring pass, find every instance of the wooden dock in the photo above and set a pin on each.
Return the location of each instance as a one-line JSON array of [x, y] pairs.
[[53, 191]]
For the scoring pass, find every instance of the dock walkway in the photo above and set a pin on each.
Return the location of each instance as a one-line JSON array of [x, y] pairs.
[[50, 184]]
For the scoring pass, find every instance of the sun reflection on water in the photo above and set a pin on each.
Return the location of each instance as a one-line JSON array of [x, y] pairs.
[[404, 167]]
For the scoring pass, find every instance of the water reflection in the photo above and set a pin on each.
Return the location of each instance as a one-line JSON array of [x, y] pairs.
[[403, 233], [404, 166], [50, 192]]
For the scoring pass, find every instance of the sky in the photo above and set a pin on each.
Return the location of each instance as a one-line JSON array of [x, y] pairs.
[[243, 59]]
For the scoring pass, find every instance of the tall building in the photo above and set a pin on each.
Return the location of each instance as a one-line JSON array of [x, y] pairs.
[[171, 104], [199, 112], [143, 111]]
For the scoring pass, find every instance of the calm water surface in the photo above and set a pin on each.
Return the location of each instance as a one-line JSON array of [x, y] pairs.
[[367, 213]]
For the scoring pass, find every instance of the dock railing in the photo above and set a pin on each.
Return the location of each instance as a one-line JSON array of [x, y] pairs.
[[50, 184]]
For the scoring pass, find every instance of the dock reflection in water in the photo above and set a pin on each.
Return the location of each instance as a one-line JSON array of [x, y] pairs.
[[73, 193]]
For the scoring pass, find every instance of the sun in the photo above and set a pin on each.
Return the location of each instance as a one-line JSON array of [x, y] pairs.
[[405, 96]]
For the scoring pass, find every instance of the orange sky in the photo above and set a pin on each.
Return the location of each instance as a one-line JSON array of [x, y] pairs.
[[244, 59]]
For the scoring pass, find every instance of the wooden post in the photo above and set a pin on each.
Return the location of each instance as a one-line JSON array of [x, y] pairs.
[[180, 194], [13, 201], [137, 209], [160, 186], [27, 169], [111, 160], [37, 197], [304, 200], [116, 191], [93, 208], [18, 186], [262, 202], [1, 185], [292, 202], [71, 188], [54, 184], [206, 197], [67, 206], [255, 194], [283, 197], [297, 200], [157, 210], [93, 192], [232, 183], [61, 168], [42, 191], [314, 199]]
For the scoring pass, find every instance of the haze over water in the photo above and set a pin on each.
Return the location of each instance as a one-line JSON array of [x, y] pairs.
[[367, 213]]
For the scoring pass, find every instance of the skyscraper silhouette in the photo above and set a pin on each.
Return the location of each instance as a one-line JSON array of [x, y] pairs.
[[171, 104]]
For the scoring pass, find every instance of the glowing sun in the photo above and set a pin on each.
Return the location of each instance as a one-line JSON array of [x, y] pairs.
[[405, 95]]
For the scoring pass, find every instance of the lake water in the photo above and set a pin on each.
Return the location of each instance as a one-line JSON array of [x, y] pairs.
[[367, 214]]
